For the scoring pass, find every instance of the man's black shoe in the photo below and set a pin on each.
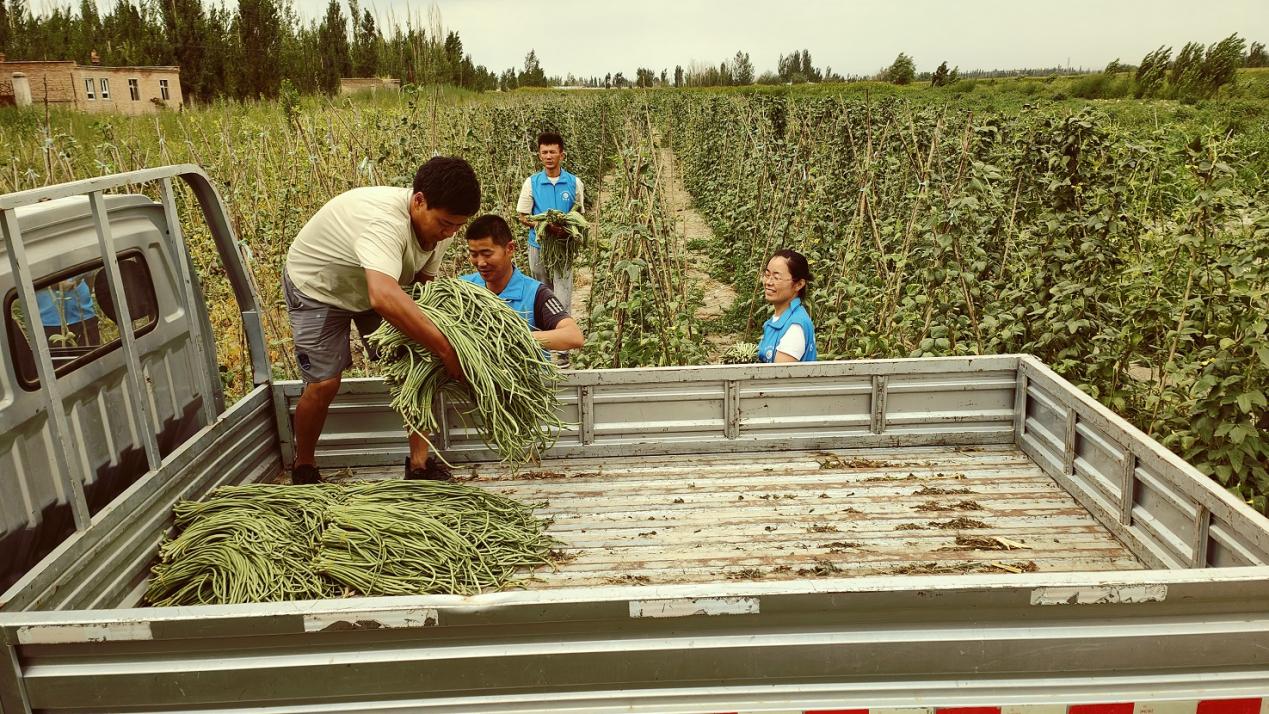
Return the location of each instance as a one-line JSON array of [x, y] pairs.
[[305, 475], [433, 470]]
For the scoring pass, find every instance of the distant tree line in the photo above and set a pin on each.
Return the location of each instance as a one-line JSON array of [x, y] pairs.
[[1196, 72], [244, 49]]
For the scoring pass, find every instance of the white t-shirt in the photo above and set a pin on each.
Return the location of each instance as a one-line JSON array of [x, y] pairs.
[[793, 343], [366, 227], [525, 204]]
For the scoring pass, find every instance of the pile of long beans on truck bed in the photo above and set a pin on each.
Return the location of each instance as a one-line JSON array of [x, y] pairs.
[[269, 543], [510, 383]]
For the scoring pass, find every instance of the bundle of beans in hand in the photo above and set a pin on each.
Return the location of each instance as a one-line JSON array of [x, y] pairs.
[[739, 353], [560, 234], [510, 383], [267, 543]]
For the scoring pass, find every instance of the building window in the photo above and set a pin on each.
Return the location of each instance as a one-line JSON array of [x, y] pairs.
[[163, 89], [92, 89], [105, 88], [134, 91]]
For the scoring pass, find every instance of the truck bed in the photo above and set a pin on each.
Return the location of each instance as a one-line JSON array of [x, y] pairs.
[[783, 515]]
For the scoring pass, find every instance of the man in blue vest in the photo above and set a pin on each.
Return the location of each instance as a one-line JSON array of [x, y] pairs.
[[491, 251], [552, 187]]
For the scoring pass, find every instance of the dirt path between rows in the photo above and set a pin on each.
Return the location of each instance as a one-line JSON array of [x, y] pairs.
[[692, 228]]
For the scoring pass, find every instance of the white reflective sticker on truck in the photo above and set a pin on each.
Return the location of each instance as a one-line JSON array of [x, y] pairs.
[[88, 632], [688, 606], [1098, 595]]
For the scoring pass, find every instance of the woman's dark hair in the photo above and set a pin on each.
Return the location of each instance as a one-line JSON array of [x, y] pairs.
[[547, 138], [490, 226], [449, 183], [799, 269]]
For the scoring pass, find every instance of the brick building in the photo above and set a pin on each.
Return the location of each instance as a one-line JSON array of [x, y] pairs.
[[93, 88]]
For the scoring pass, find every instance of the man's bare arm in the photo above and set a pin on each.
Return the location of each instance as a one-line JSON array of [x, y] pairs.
[[389, 300], [566, 336]]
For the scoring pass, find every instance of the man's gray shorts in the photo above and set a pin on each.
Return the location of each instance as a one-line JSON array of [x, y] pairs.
[[322, 333]]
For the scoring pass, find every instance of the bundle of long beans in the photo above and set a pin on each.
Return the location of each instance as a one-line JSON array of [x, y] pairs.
[[406, 537], [559, 251], [510, 383], [244, 544], [739, 353], [266, 543]]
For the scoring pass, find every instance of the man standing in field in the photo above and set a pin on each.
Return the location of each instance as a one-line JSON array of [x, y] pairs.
[[552, 187], [349, 264], [491, 251]]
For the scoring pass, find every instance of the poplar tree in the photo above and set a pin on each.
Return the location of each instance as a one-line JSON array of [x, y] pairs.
[[4, 26], [742, 68], [184, 26], [259, 34], [332, 48]]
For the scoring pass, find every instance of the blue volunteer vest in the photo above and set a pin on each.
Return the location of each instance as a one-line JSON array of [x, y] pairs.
[[59, 307], [560, 195], [775, 329], [520, 293]]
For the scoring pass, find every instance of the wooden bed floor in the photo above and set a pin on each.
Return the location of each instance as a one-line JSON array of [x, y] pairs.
[[788, 515]]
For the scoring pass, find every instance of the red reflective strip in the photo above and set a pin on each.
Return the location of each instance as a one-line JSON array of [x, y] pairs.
[[851, 711], [1230, 706], [973, 710], [1124, 708]]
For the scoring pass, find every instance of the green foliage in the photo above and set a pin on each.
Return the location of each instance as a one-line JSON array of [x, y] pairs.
[[4, 26], [259, 30], [1220, 64], [1255, 55], [742, 68], [532, 75], [941, 77], [902, 70], [1107, 85], [289, 100], [1152, 72], [797, 68], [332, 38]]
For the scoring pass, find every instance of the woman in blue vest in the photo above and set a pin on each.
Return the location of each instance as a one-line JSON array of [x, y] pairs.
[[789, 336]]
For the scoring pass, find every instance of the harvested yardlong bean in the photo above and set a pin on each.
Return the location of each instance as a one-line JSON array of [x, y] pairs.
[[265, 543], [559, 252], [739, 353], [510, 387]]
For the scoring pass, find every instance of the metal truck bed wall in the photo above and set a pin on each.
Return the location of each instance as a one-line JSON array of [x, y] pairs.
[[1196, 625]]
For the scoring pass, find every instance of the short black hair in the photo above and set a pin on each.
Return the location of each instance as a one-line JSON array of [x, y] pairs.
[[547, 138], [490, 226], [449, 183]]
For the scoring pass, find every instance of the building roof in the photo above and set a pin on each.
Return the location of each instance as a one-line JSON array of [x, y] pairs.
[[173, 68]]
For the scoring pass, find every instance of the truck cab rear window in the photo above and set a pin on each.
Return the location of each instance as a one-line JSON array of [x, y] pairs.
[[79, 317]]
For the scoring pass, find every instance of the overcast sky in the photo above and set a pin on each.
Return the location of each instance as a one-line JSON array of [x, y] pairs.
[[594, 37]]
